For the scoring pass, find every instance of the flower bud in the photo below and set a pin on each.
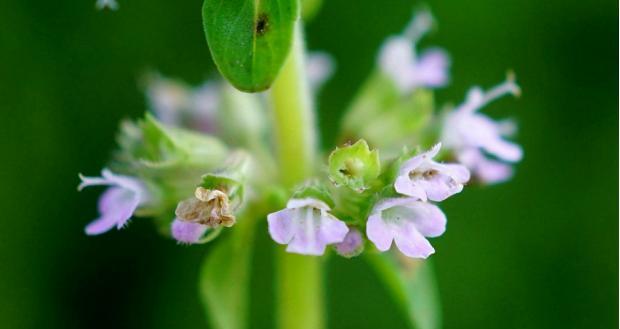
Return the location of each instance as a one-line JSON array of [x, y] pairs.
[[354, 166], [352, 245]]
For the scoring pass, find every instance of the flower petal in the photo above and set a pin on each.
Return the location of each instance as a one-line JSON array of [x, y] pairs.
[[101, 225], [282, 225], [411, 243], [352, 244], [403, 185], [432, 68], [379, 232], [428, 219], [314, 232], [331, 230], [187, 232], [116, 206]]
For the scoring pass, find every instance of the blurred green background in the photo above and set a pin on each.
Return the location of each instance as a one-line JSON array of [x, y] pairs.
[[538, 252]]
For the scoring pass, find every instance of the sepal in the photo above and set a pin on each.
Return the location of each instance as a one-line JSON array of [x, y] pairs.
[[354, 166]]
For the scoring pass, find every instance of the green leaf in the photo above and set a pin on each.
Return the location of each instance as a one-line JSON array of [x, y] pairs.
[[225, 279], [413, 287], [249, 39]]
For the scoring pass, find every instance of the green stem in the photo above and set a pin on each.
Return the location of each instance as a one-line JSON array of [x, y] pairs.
[[294, 116], [300, 286], [300, 295]]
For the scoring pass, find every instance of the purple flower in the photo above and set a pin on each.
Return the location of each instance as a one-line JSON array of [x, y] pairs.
[[352, 245], [306, 226], [408, 222], [486, 170], [118, 203], [207, 209], [399, 60], [319, 68], [422, 178], [177, 104], [473, 135]]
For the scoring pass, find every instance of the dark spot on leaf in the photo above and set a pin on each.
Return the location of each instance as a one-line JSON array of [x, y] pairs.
[[262, 24]]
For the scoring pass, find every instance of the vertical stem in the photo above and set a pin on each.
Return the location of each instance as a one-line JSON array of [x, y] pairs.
[[300, 286], [300, 295], [294, 116]]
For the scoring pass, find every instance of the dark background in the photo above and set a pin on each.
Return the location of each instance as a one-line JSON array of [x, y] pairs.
[[538, 252]]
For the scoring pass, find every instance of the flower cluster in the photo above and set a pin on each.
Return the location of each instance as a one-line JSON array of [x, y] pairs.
[[401, 212], [203, 153]]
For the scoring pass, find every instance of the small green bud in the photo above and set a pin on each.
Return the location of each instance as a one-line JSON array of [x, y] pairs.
[[354, 166]]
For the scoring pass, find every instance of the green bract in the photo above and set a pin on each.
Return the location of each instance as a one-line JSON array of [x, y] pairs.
[[354, 166], [249, 39], [313, 189], [150, 144]]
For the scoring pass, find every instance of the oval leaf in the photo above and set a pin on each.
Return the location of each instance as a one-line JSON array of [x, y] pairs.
[[249, 39]]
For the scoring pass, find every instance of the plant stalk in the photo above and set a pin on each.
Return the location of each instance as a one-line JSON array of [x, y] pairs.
[[300, 286]]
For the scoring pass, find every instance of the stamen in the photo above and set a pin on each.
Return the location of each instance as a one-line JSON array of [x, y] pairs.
[[477, 99], [419, 26]]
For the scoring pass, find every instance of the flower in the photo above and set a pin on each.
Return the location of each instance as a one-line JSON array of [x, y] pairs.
[[207, 209], [306, 226], [408, 222], [118, 203], [473, 135], [110, 4], [177, 104], [423, 178], [319, 68], [352, 245], [399, 61]]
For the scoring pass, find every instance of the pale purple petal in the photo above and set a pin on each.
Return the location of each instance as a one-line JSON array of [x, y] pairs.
[[432, 68], [459, 172], [419, 159], [488, 171], [439, 188], [352, 244], [404, 186], [282, 225], [331, 230], [187, 232], [396, 60], [423, 178], [118, 203], [101, 225], [411, 243], [406, 221], [470, 133], [116, 206], [378, 232], [492, 172], [319, 68], [504, 150], [428, 219], [306, 226], [314, 232]]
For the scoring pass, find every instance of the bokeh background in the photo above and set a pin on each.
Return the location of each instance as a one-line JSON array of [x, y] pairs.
[[538, 252]]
